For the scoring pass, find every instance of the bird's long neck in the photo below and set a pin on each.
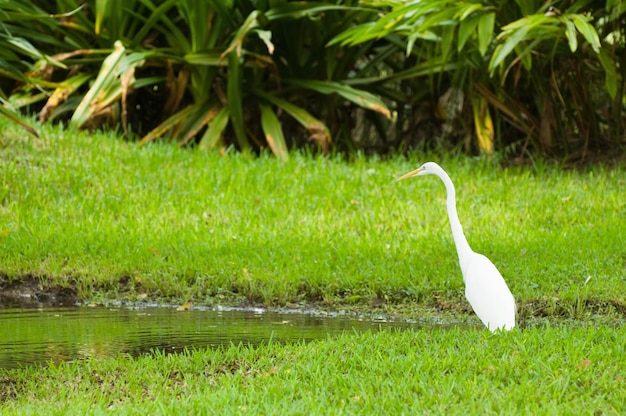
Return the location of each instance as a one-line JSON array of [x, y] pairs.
[[462, 246]]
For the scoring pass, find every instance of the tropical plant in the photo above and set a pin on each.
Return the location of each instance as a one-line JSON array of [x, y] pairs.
[[20, 22], [211, 71], [537, 69], [518, 76]]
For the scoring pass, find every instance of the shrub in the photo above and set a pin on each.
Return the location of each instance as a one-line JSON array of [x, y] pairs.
[[523, 74], [517, 76], [213, 71]]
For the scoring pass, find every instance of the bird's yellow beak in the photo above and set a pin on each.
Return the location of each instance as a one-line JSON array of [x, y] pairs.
[[410, 174]]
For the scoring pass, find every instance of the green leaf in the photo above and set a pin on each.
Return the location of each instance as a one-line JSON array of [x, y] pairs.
[[588, 31], [571, 35], [273, 132], [215, 128], [467, 10], [315, 127], [486, 24], [158, 20], [104, 79], [361, 98], [189, 128], [205, 59], [610, 71], [251, 23], [466, 28], [14, 118], [447, 40], [27, 48], [169, 124], [116, 76], [61, 92], [426, 68], [235, 99], [298, 10], [266, 37], [504, 49], [524, 53], [527, 22], [355, 35], [483, 125], [101, 9]]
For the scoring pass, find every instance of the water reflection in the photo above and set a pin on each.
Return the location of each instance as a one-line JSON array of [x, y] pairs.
[[29, 336]]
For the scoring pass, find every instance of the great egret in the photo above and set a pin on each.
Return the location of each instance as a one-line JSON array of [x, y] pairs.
[[485, 289]]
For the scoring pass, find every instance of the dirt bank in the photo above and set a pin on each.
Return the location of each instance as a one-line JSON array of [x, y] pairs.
[[30, 292]]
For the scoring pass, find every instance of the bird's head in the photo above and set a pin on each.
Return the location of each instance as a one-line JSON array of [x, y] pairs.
[[428, 168]]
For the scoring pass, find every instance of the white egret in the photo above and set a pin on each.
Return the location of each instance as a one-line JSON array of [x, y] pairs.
[[485, 289]]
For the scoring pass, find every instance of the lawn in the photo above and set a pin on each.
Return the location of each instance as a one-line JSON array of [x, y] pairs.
[[114, 221], [541, 370], [117, 221]]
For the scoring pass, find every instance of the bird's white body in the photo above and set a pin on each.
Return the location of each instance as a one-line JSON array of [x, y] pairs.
[[487, 292], [485, 288]]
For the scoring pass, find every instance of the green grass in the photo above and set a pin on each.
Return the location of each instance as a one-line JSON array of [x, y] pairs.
[[118, 221], [543, 370]]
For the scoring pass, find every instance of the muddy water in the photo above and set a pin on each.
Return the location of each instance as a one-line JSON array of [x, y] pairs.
[[41, 336]]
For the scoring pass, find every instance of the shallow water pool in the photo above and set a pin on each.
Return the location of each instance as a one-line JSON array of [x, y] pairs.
[[40, 336]]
